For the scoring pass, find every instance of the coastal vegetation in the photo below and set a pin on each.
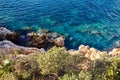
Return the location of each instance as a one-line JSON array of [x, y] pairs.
[[58, 64]]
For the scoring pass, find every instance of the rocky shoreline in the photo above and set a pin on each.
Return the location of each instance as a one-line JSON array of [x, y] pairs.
[[41, 42], [42, 56]]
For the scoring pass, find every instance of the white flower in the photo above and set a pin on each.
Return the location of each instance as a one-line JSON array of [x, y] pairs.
[[0, 66], [6, 62]]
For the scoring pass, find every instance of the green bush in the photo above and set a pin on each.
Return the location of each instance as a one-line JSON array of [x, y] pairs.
[[8, 76], [69, 77], [58, 62], [114, 69], [25, 69], [6, 67], [107, 69], [82, 75], [53, 61], [19, 69]]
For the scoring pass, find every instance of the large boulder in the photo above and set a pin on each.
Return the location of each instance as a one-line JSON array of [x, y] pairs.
[[45, 40], [7, 34], [7, 47]]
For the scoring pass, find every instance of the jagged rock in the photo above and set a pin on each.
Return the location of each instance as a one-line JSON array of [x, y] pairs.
[[7, 34], [115, 52], [7, 47], [117, 44], [38, 40], [32, 34], [83, 49], [90, 53], [59, 41], [45, 40]]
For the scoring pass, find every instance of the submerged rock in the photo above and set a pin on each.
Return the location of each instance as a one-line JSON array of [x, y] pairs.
[[7, 34], [24, 31], [7, 47]]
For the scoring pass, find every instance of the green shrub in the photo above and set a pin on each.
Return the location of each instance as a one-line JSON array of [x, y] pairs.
[[71, 76], [114, 69], [84, 75], [53, 61], [58, 62], [8, 76], [107, 69], [20, 68], [25, 69], [6, 67]]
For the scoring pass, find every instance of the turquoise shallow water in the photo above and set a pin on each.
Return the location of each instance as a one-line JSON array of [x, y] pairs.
[[90, 22]]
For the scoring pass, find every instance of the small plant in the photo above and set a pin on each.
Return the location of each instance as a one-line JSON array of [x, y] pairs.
[[17, 52], [8, 76], [6, 69], [71, 76], [6, 66], [84, 75], [114, 69]]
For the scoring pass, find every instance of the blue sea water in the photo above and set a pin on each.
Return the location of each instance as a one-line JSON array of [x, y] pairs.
[[90, 22]]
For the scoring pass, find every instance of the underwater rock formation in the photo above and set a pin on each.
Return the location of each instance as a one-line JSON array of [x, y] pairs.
[[7, 34], [7, 47]]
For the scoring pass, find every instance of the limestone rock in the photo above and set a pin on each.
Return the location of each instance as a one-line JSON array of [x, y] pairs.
[[7, 47], [7, 34], [45, 40], [90, 53], [115, 52], [73, 52], [117, 44], [59, 41]]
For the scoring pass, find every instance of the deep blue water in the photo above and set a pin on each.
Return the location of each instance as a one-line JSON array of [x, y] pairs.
[[90, 22]]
